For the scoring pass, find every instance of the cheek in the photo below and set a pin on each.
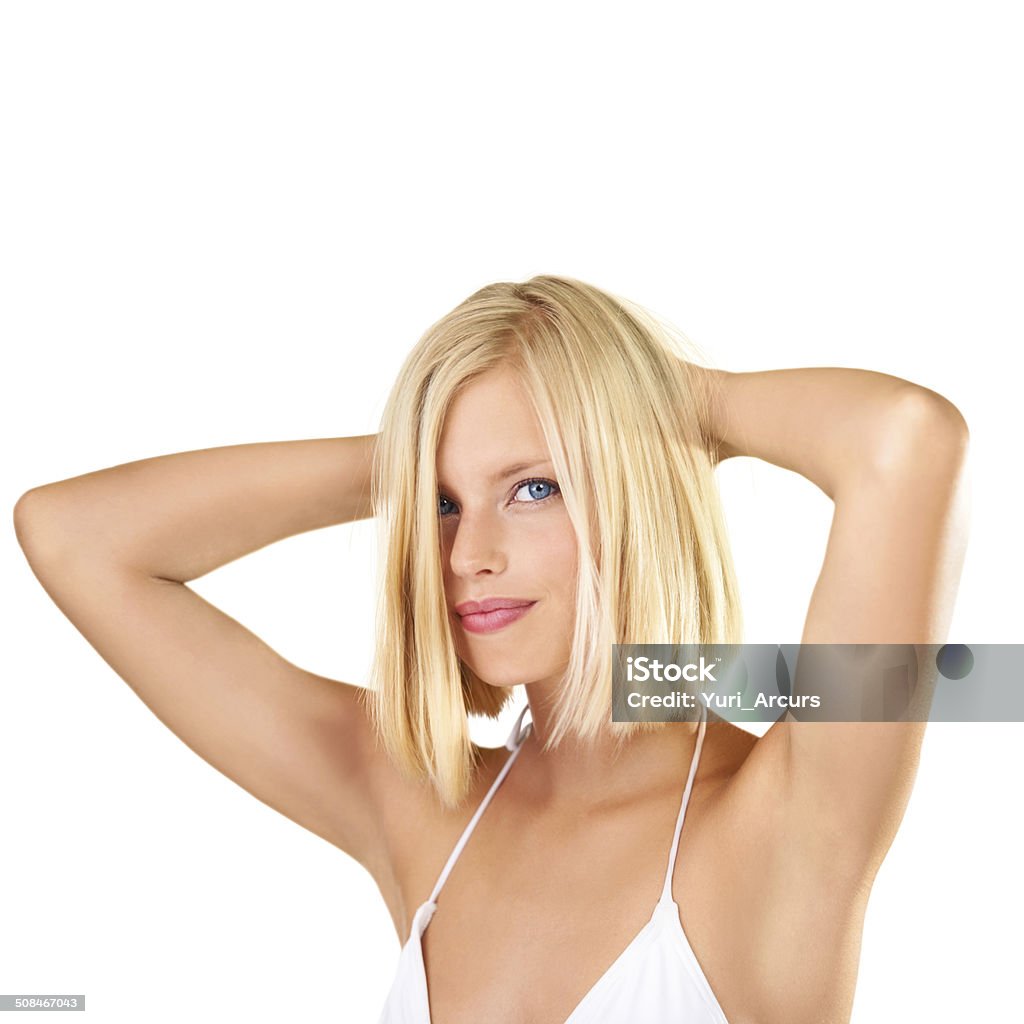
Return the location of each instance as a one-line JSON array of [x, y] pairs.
[[564, 560]]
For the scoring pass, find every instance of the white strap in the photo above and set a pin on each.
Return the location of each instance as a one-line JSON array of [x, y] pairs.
[[666, 892], [518, 735]]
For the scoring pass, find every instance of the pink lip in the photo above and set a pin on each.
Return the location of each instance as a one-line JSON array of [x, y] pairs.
[[490, 604], [489, 621]]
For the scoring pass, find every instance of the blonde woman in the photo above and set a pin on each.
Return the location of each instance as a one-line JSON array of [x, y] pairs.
[[543, 478]]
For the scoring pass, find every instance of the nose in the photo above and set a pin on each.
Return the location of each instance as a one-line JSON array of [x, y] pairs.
[[477, 546]]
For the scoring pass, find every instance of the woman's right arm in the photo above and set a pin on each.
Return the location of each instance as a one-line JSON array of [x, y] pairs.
[[115, 549]]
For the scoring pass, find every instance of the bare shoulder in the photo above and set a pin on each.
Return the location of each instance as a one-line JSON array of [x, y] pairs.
[[416, 831]]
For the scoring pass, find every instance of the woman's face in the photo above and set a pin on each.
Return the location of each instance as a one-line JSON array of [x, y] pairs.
[[505, 533]]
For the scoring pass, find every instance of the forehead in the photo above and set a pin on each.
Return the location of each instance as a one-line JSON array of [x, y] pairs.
[[490, 423]]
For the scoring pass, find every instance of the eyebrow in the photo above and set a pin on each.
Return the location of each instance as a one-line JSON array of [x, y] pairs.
[[508, 471]]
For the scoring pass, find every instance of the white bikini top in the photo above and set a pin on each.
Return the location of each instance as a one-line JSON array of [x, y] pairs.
[[655, 980]]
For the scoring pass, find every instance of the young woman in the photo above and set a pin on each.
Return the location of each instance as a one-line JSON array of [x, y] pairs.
[[543, 477]]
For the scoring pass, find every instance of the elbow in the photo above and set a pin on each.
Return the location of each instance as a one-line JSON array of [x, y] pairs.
[[929, 411], [36, 524], [942, 409], [922, 427], [23, 514]]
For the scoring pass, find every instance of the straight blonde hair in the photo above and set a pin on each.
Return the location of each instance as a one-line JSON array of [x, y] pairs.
[[624, 419]]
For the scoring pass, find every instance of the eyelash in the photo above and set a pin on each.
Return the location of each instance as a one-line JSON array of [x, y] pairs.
[[518, 487]]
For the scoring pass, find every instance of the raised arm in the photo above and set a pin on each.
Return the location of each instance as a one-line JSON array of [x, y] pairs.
[[177, 517], [892, 456], [115, 549]]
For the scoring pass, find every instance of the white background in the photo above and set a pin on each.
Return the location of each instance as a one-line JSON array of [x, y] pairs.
[[227, 222]]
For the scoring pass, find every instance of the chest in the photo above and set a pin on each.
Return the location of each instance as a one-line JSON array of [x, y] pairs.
[[539, 913], [537, 909], [540, 905]]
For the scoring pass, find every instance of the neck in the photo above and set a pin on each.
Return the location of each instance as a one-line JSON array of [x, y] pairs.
[[600, 773]]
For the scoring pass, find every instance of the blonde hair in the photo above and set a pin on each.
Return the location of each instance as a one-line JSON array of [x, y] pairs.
[[624, 419]]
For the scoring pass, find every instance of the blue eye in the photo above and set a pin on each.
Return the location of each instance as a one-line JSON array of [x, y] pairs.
[[536, 483], [534, 498]]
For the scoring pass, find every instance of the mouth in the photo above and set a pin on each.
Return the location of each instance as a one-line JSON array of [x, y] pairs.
[[490, 622]]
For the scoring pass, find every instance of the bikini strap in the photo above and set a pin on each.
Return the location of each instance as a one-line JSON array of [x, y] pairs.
[[666, 891], [513, 743], [519, 733]]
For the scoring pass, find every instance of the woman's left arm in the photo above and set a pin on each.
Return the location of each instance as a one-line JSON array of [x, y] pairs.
[[892, 456]]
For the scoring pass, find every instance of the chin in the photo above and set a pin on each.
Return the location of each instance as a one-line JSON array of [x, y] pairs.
[[500, 682], [504, 686]]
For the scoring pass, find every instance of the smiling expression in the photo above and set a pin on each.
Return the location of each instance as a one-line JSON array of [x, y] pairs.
[[505, 534]]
